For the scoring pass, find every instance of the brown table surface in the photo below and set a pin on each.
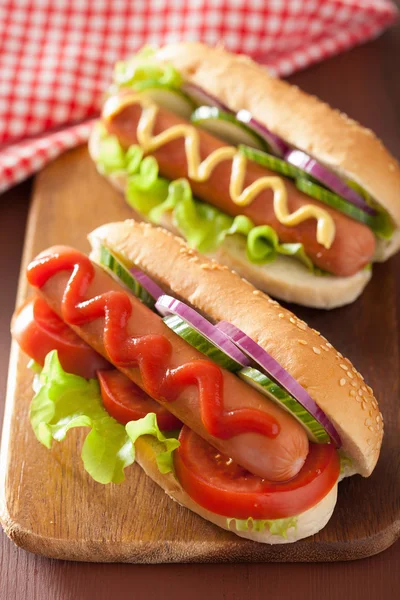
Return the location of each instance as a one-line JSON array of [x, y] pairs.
[[365, 83]]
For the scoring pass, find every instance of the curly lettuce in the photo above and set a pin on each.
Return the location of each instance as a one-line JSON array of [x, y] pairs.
[[142, 69], [64, 401], [275, 526], [166, 445]]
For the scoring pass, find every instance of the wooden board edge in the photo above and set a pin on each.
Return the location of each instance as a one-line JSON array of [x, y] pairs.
[[180, 552]]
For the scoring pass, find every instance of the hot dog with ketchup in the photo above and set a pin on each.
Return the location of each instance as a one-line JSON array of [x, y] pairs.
[[280, 217], [262, 427]]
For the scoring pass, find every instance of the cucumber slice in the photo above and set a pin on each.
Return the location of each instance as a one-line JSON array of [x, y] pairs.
[[272, 162], [381, 224], [265, 385], [168, 97], [225, 126], [201, 343], [117, 270]]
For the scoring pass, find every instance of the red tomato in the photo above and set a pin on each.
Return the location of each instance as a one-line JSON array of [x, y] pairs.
[[223, 487], [125, 401], [38, 330]]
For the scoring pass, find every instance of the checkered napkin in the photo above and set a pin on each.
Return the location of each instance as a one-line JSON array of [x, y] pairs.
[[56, 56]]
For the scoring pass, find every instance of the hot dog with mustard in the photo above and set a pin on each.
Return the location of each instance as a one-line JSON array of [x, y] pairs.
[[258, 197]]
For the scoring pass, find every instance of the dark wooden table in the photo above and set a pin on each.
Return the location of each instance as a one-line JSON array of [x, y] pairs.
[[365, 83]]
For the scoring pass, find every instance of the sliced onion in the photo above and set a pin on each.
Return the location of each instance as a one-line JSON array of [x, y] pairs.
[[303, 161], [277, 372], [148, 284], [167, 305], [276, 143], [203, 98]]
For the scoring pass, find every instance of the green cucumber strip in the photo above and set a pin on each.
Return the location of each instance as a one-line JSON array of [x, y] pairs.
[[226, 127], [363, 193], [168, 97], [201, 343], [115, 267], [271, 162], [381, 224], [265, 385]]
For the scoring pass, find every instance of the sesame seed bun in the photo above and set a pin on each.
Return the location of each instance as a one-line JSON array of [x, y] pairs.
[[331, 137], [330, 379], [307, 523], [285, 278]]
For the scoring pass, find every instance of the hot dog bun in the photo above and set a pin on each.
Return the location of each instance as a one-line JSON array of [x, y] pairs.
[[331, 380], [308, 523], [300, 119], [285, 278]]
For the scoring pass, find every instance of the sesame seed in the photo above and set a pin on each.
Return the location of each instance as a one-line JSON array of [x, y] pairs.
[[281, 315], [342, 382], [316, 332], [378, 418], [329, 345], [302, 342], [354, 370], [324, 348], [368, 421], [292, 320], [360, 392], [352, 393], [347, 360], [369, 389], [257, 293], [374, 405], [316, 350], [344, 367], [360, 376], [339, 354], [370, 428], [363, 406], [301, 326], [350, 374], [359, 400], [353, 383], [364, 388]]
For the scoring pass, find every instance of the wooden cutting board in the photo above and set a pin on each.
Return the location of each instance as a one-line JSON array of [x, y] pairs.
[[48, 505]]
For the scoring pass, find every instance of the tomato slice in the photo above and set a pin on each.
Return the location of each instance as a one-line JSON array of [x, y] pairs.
[[125, 401], [223, 487], [38, 330]]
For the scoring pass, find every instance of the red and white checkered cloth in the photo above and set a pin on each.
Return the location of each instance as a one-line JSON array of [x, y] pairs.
[[56, 56]]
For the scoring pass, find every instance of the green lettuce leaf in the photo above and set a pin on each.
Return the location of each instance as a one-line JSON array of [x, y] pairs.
[[165, 446], [345, 462], [111, 156], [202, 225], [276, 526], [64, 401], [143, 68]]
